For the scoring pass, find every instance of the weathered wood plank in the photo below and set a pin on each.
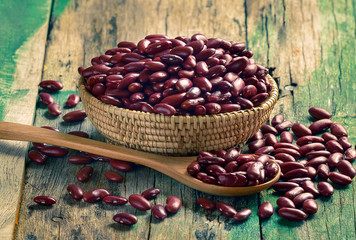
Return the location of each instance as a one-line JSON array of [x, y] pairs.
[[312, 47], [22, 44]]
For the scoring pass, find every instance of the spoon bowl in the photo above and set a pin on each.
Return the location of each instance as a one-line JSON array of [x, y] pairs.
[[174, 167]]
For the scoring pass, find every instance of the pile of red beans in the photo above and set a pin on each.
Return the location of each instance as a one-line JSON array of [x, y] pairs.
[[324, 157], [178, 76]]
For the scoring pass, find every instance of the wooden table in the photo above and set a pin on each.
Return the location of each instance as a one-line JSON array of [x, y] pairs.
[[310, 44]]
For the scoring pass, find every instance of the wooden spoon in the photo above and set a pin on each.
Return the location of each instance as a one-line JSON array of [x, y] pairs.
[[174, 167]]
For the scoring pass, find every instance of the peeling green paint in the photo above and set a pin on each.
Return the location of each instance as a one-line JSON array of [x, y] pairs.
[[20, 20]]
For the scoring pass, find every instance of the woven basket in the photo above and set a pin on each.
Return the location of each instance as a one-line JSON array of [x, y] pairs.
[[175, 135]]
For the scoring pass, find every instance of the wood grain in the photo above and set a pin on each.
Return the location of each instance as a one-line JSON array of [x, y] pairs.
[[18, 101]]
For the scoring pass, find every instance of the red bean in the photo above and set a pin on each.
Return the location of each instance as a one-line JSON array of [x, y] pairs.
[[54, 109], [244, 158], [231, 167], [311, 172], [38, 146], [292, 193], [79, 159], [254, 171], [238, 64], [226, 209], [36, 157], [285, 157], [338, 130], [125, 218], [215, 170], [286, 137], [300, 180], [173, 204], [206, 203], [296, 173], [54, 151], [299, 199], [286, 145], [319, 113], [75, 191], [165, 109], [309, 186], [277, 119], [310, 206], [320, 125], [51, 85], [284, 186], [284, 202], [315, 162], [333, 146], [301, 130], [346, 168], [255, 145], [328, 136], [232, 179], [257, 135], [265, 210], [288, 166], [139, 202], [345, 142], [268, 129], [271, 170], [314, 154], [115, 200], [113, 176], [121, 165], [193, 168], [292, 214], [270, 139], [340, 178], [284, 126], [334, 159], [323, 171], [73, 116], [159, 212], [79, 134], [242, 215], [85, 173], [325, 189], [350, 154], [264, 150], [289, 151], [44, 200], [151, 193], [46, 98], [309, 139], [72, 100]]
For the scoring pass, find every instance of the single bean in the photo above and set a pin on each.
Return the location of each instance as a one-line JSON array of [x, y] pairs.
[[150, 193], [345, 142], [38, 146], [231, 167], [268, 129], [292, 193], [44, 200], [95, 195], [289, 151], [264, 159], [51, 85], [350, 154], [284, 202], [315, 162], [173, 204], [238, 64], [328, 136], [333, 146], [206, 203], [346, 168], [299, 200], [165, 109], [113, 176], [319, 113], [215, 170], [73, 116], [54, 109], [338, 130], [257, 135], [325, 189], [210, 179], [309, 186], [292, 214], [277, 119], [284, 186], [125, 218], [115, 200], [232, 179], [323, 171], [37, 157], [314, 154], [85, 173], [320, 125], [259, 98], [257, 144], [286, 145], [272, 170], [286, 137], [296, 173], [340, 178], [75, 191], [310, 206], [265, 210], [211, 160], [301, 130], [139, 202], [193, 168], [270, 139], [120, 165], [79, 134], [285, 157], [159, 212], [311, 172], [334, 159], [300, 180], [226, 209], [79, 159], [46, 98], [264, 150], [159, 76], [237, 86], [288, 166], [244, 158], [254, 170], [72, 100], [242, 215], [309, 139], [54, 151]]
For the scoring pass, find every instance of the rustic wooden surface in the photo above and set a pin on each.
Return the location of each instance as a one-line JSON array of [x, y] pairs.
[[311, 45]]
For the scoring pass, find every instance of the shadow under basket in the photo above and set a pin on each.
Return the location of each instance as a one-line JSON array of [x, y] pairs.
[[175, 135]]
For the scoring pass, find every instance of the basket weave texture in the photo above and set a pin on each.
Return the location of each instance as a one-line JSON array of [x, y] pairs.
[[175, 135]]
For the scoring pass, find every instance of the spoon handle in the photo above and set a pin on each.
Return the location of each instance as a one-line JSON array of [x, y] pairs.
[[21, 132]]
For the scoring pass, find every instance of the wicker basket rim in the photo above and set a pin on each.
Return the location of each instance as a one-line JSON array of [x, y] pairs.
[[265, 105]]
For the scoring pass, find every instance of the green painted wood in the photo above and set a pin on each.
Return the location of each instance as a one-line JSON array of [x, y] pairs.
[[23, 34], [312, 46]]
